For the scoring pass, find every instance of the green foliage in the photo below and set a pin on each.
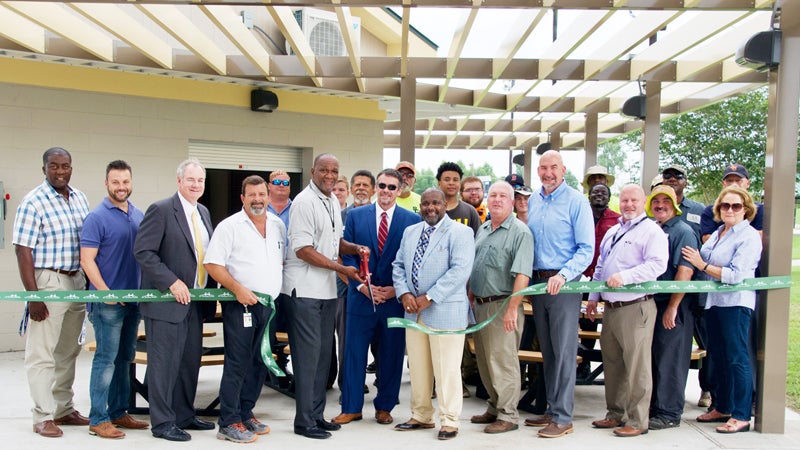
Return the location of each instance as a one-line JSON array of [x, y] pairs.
[[427, 177], [793, 356], [615, 154], [572, 180], [707, 140]]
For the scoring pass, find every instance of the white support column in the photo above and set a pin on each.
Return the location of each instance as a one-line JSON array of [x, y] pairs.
[[651, 133], [590, 141], [408, 115]]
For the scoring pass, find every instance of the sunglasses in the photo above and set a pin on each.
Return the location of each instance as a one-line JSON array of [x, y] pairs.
[[669, 176], [390, 187], [280, 182], [736, 207]]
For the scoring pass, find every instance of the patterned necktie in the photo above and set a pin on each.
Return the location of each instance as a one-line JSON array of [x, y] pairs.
[[421, 246], [198, 248], [383, 231]]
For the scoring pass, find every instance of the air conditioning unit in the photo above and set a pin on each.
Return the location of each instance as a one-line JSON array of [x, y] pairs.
[[321, 29]]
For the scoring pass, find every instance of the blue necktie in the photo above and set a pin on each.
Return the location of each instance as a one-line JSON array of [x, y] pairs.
[[421, 246]]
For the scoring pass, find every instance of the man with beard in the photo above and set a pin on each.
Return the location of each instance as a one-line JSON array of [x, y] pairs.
[[170, 245], [472, 193], [362, 186], [503, 261], [430, 274], [672, 337], [449, 177], [109, 232], [245, 255], [408, 199], [47, 229], [675, 177], [561, 222], [380, 227], [315, 243], [633, 251]]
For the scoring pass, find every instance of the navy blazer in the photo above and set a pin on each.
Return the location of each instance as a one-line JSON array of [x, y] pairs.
[[362, 228], [164, 249]]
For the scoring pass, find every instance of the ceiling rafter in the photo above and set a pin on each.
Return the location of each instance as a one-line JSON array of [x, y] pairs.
[[351, 43], [21, 30], [230, 23], [294, 35]]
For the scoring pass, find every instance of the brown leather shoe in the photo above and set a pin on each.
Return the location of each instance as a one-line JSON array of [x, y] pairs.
[[541, 421], [483, 418], [500, 426], [607, 423], [106, 430], [48, 428], [73, 418], [383, 417], [127, 421], [629, 431], [713, 416], [344, 418], [554, 430]]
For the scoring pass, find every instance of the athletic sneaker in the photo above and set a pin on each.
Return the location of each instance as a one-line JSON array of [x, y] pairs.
[[662, 423], [236, 432], [252, 424]]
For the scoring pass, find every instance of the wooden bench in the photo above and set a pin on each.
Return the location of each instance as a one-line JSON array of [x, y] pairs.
[[526, 356]]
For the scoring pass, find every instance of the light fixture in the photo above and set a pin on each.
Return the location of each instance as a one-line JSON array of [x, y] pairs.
[[263, 101]]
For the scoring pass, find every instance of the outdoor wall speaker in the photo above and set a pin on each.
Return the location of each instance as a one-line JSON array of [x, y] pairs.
[[543, 147], [519, 159], [263, 101], [761, 52], [635, 106]]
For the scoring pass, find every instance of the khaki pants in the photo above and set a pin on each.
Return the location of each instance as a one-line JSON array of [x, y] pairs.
[[626, 341], [498, 362], [52, 347], [436, 356]]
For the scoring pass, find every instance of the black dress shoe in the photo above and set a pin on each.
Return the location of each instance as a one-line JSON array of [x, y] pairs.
[[199, 424], [173, 433], [328, 426], [312, 432], [409, 426], [449, 434]]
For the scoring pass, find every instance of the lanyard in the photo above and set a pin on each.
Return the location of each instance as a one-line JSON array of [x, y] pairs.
[[616, 238]]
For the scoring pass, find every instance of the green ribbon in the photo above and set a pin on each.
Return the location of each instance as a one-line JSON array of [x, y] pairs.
[[650, 287], [152, 295]]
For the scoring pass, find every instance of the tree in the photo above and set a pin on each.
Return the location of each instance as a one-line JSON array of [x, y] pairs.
[[707, 140], [425, 179], [615, 155], [572, 180]]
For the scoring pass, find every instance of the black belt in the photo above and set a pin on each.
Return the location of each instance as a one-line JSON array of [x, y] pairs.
[[544, 273], [69, 273], [493, 298], [615, 305]]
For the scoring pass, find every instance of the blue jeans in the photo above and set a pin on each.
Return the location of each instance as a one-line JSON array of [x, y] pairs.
[[727, 348], [115, 329]]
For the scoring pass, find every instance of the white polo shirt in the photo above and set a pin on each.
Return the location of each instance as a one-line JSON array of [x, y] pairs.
[[254, 261]]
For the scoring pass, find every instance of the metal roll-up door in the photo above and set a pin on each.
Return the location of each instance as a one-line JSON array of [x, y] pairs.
[[235, 156]]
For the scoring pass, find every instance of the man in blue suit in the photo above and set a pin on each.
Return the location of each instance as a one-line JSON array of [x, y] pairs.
[[430, 275], [380, 227]]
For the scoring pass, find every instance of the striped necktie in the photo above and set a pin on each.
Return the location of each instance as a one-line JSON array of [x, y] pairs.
[[421, 246], [383, 231]]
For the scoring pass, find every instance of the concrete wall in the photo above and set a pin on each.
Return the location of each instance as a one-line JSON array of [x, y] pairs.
[[152, 135]]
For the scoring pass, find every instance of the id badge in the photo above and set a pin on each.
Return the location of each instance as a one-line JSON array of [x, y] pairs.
[[247, 318]]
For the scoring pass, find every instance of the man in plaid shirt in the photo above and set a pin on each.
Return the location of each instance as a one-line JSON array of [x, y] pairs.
[[46, 240]]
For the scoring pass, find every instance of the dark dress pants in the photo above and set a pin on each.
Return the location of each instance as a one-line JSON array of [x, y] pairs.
[[671, 353]]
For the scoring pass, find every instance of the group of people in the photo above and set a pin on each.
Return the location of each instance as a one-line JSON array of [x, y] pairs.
[[442, 260]]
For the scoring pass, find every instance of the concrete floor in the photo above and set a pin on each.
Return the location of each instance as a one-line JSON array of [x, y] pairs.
[[277, 410]]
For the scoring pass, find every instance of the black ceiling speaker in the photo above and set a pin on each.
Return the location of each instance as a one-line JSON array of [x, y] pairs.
[[543, 147], [263, 101], [760, 52], [519, 159], [635, 106]]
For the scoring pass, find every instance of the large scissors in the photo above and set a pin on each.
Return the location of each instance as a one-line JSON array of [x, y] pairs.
[[364, 272]]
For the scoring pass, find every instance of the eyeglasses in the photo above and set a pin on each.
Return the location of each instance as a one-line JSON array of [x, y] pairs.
[[280, 182], [736, 207], [406, 174], [472, 190], [390, 187], [669, 176]]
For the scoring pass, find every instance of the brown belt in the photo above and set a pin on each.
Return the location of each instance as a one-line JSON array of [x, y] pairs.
[[493, 298], [615, 305], [544, 273], [69, 273]]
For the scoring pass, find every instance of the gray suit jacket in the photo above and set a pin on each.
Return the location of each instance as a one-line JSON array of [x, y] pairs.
[[165, 251], [446, 266]]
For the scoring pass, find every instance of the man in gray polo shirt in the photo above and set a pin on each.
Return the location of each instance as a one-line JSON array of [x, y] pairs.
[[315, 242]]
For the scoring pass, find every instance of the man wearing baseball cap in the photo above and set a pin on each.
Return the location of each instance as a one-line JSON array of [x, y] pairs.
[[408, 199], [735, 175], [674, 176], [672, 335]]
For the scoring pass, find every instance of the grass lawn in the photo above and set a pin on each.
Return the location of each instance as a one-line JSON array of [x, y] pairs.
[[793, 372], [795, 247]]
